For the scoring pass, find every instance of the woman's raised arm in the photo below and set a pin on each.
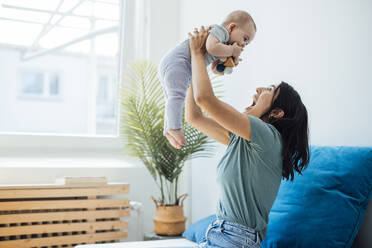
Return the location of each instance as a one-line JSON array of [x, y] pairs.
[[222, 113], [204, 124]]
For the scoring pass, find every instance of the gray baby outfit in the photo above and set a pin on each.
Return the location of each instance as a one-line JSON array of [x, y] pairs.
[[175, 75]]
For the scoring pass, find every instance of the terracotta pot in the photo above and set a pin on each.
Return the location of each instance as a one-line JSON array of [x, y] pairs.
[[169, 220]]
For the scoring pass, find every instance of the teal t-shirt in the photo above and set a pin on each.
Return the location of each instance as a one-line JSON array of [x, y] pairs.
[[249, 175]]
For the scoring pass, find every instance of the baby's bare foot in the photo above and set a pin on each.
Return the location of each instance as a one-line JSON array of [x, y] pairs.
[[172, 141], [178, 136]]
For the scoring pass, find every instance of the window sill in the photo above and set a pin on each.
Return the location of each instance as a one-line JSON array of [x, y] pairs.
[[31, 150], [65, 162], [59, 141]]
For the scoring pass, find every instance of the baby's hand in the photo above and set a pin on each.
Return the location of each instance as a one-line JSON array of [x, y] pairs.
[[237, 50], [222, 59], [237, 60]]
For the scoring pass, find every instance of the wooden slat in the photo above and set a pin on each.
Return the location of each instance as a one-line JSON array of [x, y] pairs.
[[63, 204], [71, 215], [52, 186], [71, 227], [61, 240], [91, 220], [64, 192]]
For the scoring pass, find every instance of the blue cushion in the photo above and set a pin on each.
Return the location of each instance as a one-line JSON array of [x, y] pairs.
[[324, 207], [196, 232]]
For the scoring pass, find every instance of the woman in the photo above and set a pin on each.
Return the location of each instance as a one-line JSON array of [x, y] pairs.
[[267, 142]]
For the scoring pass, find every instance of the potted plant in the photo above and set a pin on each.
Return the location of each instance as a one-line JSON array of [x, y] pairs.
[[141, 130]]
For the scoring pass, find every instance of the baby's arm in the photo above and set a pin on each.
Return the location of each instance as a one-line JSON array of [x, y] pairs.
[[218, 49]]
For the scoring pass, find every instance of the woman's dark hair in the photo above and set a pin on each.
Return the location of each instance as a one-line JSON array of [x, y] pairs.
[[293, 127]]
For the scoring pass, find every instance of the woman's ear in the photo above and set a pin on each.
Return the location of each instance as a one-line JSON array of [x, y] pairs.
[[231, 27], [276, 113]]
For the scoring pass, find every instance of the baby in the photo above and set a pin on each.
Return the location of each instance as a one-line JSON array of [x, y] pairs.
[[224, 41]]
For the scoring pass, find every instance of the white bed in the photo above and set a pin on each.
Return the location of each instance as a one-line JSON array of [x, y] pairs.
[[177, 243]]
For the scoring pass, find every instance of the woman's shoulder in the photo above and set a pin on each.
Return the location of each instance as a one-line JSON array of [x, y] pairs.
[[257, 122], [263, 133]]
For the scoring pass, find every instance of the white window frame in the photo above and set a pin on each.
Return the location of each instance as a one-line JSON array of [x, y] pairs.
[[39, 146]]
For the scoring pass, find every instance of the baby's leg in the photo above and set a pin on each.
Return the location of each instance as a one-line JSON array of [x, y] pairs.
[[175, 82]]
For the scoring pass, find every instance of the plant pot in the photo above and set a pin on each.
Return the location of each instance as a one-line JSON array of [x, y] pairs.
[[169, 219]]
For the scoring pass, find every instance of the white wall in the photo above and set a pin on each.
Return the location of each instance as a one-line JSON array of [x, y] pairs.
[[322, 48]]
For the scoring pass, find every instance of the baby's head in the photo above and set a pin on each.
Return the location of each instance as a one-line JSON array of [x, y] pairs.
[[241, 27]]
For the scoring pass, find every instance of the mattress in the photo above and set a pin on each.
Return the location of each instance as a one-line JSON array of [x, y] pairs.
[[177, 243]]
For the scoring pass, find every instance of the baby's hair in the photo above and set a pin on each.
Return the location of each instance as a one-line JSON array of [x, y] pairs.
[[240, 17]]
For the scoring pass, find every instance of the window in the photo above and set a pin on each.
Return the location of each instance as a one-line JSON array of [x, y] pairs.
[[106, 100], [69, 43], [37, 84], [32, 83], [53, 85]]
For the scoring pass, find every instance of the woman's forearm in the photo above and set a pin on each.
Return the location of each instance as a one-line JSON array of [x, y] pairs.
[[192, 111], [201, 83]]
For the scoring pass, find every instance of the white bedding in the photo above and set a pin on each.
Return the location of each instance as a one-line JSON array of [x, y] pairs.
[[184, 243]]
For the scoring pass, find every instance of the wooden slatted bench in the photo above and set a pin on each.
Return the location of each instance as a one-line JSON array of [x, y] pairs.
[[56, 216]]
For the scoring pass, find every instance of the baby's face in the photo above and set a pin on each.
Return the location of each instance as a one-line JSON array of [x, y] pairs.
[[242, 35]]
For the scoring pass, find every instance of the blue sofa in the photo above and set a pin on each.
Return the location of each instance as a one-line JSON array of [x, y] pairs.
[[324, 207]]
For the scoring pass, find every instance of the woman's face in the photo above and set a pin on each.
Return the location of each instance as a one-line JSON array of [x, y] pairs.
[[259, 91]]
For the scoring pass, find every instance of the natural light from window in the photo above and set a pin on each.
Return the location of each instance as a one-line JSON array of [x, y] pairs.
[[59, 66]]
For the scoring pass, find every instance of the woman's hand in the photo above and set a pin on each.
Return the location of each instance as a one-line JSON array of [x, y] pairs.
[[197, 40]]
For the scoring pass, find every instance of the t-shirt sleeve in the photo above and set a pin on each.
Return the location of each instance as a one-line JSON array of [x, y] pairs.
[[261, 133], [220, 33]]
